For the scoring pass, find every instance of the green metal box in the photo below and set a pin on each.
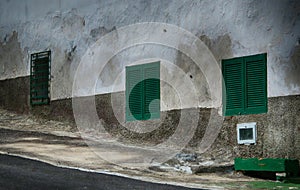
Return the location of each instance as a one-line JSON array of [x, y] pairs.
[[288, 166]]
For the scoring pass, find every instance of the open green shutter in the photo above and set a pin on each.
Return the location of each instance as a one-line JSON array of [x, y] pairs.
[[233, 99], [134, 93], [151, 91], [256, 83]]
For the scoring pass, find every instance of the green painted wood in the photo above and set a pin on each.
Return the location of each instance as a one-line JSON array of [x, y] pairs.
[[134, 93], [142, 87], [245, 85], [37, 66], [40, 97], [256, 87], [40, 72], [290, 166], [45, 101], [45, 85], [40, 78], [234, 86], [151, 91]]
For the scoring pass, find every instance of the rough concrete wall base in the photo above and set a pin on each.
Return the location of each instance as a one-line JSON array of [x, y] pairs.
[[226, 148], [278, 133], [278, 130], [60, 110], [282, 136]]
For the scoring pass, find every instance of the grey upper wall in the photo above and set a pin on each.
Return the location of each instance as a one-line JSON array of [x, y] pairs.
[[229, 28]]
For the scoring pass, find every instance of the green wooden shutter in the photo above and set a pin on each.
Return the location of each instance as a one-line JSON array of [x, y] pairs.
[[40, 78], [245, 90], [134, 93], [234, 86], [256, 84], [152, 91], [143, 92]]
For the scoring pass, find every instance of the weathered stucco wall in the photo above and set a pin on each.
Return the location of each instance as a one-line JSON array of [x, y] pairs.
[[229, 28]]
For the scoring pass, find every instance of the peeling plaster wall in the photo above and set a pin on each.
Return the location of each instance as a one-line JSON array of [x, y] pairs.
[[229, 28]]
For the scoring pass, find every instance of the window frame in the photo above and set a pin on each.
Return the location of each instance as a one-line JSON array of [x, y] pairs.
[[252, 127]]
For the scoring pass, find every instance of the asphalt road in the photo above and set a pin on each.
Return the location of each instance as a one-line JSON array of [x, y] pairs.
[[20, 173]]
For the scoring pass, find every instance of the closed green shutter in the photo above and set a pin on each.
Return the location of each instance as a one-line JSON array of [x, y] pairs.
[[234, 85], [40, 78], [134, 93], [152, 91], [143, 92], [245, 90], [256, 101]]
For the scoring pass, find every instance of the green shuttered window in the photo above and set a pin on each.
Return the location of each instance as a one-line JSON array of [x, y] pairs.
[[245, 85], [40, 78], [143, 91]]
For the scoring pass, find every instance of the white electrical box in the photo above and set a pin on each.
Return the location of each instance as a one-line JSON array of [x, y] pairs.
[[246, 133]]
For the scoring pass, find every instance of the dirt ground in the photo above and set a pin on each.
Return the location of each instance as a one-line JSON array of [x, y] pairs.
[[60, 144]]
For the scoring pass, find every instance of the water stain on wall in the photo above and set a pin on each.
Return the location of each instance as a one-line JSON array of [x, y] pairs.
[[101, 31], [221, 47], [72, 24], [11, 57], [293, 76]]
